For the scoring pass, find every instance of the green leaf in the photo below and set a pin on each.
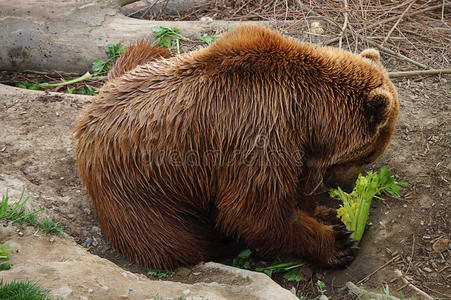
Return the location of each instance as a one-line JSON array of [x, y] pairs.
[[159, 273], [100, 67], [114, 51], [6, 265], [167, 37], [207, 39], [293, 275], [245, 254], [70, 90], [87, 90], [29, 85]]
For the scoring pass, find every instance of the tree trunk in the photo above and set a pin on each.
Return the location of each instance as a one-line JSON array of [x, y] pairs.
[[67, 36]]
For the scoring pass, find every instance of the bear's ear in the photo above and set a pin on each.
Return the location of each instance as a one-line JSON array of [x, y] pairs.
[[371, 54], [378, 107]]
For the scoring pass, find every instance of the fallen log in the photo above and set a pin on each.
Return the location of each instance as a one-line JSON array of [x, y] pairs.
[[67, 36]]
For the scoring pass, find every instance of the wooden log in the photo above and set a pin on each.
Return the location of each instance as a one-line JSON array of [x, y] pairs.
[[67, 36]]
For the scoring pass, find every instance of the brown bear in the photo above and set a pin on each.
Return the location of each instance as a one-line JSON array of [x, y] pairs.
[[229, 142]]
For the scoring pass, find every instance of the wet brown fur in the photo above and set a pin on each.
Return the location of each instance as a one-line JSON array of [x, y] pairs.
[[144, 140], [138, 54]]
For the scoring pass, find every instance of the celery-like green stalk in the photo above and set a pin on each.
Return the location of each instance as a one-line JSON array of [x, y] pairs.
[[86, 76], [355, 207]]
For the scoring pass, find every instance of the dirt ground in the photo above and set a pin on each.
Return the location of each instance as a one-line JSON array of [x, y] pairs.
[[36, 149]]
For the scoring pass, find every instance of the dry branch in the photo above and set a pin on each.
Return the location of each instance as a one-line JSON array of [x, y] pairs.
[[411, 14], [397, 22], [345, 23], [386, 50], [419, 73], [417, 290]]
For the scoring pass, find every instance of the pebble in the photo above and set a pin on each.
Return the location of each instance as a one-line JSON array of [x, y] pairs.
[[293, 290], [88, 241], [186, 292], [20, 233], [90, 291], [105, 288], [196, 273], [62, 292], [429, 270], [441, 245], [182, 271]]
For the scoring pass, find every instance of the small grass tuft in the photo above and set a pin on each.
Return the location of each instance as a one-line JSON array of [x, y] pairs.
[[17, 214], [49, 226], [24, 290]]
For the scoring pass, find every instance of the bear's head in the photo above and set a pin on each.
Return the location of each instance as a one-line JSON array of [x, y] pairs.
[[380, 109]]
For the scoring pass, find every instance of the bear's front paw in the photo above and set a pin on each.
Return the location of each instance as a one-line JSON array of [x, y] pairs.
[[344, 251], [326, 215]]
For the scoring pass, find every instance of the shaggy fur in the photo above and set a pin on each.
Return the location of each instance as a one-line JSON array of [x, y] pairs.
[[231, 141], [140, 53]]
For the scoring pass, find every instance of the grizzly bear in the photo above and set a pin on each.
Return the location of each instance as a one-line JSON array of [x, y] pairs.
[[228, 143]]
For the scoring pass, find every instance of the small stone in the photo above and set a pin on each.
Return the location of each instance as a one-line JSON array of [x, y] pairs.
[[429, 270], [196, 273], [52, 240], [20, 233], [316, 28], [186, 292], [90, 291], [182, 271], [62, 292], [441, 245], [426, 237], [105, 288], [88, 241], [293, 290], [323, 297], [206, 19], [123, 296]]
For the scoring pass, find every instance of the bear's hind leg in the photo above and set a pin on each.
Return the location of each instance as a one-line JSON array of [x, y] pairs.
[[155, 238]]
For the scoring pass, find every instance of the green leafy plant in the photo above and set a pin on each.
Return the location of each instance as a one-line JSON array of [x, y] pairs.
[[16, 213], [22, 290], [291, 270], [5, 249], [168, 37], [114, 51], [243, 260], [87, 90], [321, 287], [356, 206], [100, 66], [29, 85], [70, 90], [159, 273], [207, 39]]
